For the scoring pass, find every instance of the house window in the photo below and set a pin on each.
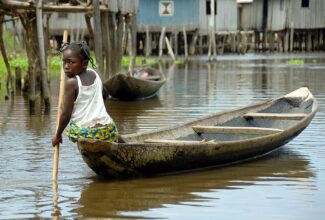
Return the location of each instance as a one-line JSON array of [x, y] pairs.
[[305, 3], [62, 15], [208, 7]]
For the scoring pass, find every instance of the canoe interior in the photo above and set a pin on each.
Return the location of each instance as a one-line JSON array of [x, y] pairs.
[[231, 119]]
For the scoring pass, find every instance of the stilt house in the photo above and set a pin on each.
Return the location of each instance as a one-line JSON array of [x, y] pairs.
[[193, 17], [296, 24]]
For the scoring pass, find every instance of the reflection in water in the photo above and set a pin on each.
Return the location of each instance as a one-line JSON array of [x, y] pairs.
[[56, 209], [135, 113], [5, 113], [109, 199]]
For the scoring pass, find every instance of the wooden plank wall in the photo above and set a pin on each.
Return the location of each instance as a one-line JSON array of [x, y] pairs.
[[277, 15], [226, 17], [252, 15], [281, 13], [186, 14], [307, 18]]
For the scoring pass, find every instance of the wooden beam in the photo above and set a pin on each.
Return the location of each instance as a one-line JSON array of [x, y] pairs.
[[276, 116], [235, 130], [16, 5]]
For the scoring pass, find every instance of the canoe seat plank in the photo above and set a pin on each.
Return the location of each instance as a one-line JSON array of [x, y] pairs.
[[151, 78], [235, 130], [177, 141], [275, 116]]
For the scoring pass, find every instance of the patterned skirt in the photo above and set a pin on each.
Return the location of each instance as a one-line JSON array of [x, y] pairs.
[[107, 132]]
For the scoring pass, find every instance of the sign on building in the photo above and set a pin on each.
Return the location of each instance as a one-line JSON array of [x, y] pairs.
[[166, 8]]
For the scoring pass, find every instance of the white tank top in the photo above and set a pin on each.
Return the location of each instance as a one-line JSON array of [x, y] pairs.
[[89, 108]]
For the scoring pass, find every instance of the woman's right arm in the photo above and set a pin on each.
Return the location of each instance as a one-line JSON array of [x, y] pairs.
[[71, 87]]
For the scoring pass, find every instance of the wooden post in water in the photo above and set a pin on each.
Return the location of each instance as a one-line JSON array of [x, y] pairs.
[[148, 43], [185, 44], [18, 78], [175, 44], [132, 42], [291, 36], [5, 59], [170, 50], [98, 36], [194, 41], [40, 35], [212, 36], [161, 41], [60, 106]]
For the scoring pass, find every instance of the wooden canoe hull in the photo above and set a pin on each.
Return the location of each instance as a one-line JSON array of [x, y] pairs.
[[189, 150], [125, 87]]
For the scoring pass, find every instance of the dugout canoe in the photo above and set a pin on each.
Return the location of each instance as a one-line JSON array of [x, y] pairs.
[[215, 140], [143, 84]]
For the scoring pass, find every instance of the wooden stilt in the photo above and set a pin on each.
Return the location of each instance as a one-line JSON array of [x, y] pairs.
[[286, 40], [132, 39], [185, 43], [148, 42], [98, 36], [193, 42], [175, 35], [309, 43], [161, 41], [18, 78], [170, 50], [271, 39]]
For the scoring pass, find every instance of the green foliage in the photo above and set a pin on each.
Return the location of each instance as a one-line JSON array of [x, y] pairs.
[[55, 67], [20, 61], [178, 62], [56, 64], [296, 61], [138, 61]]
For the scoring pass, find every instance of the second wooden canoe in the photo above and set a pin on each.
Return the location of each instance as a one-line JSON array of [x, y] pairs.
[[141, 85]]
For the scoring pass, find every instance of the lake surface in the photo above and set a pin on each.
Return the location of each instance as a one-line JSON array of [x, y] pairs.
[[287, 184]]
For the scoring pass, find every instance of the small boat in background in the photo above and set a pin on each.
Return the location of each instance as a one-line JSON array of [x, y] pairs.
[[142, 84], [216, 140]]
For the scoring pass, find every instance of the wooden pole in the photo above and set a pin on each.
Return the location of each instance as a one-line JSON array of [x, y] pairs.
[[185, 43], [170, 50], [132, 42], [212, 37], [90, 30], [60, 106], [40, 35], [161, 41], [291, 36], [148, 42], [98, 36], [5, 59], [194, 41]]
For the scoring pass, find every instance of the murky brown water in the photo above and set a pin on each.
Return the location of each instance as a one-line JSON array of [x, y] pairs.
[[288, 184]]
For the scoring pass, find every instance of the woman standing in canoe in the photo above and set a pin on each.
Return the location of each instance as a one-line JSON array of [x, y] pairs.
[[83, 103]]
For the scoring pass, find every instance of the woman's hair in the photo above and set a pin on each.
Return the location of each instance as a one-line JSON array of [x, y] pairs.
[[80, 48]]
